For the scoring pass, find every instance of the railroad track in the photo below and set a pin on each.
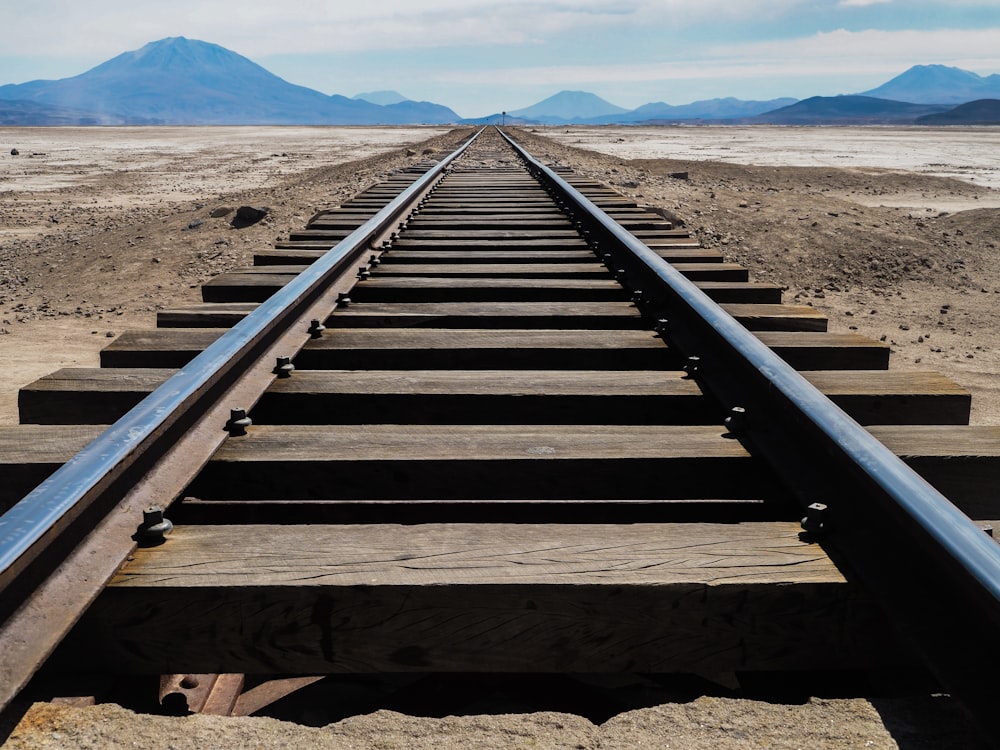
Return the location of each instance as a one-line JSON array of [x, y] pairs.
[[510, 422]]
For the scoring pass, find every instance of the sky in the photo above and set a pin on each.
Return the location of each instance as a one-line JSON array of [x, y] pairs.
[[491, 55]]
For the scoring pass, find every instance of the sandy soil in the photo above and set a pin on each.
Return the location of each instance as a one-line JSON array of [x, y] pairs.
[[100, 227], [870, 244], [703, 724]]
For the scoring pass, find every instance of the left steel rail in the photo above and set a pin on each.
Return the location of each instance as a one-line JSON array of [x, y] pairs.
[[62, 542]]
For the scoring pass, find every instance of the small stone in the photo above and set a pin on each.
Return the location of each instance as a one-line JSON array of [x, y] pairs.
[[14, 152], [247, 216]]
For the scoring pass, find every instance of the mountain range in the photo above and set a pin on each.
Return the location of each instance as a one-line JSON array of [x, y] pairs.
[[179, 81]]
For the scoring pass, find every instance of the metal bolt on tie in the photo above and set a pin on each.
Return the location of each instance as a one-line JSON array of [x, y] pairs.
[[154, 528], [638, 297], [238, 422], [693, 366], [662, 326], [816, 519], [736, 422], [284, 367], [316, 329], [343, 300], [374, 260], [363, 273], [621, 276]]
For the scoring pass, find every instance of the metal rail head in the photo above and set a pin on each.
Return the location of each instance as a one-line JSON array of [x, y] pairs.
[[937, 573], [52, 520]]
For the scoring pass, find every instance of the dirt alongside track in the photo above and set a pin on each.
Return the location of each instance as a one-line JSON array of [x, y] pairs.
[[96, 242]]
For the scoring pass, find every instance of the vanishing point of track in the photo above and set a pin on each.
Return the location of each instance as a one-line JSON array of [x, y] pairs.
[[491, 417]]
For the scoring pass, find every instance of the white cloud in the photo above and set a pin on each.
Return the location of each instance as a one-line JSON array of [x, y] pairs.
[[837, 53], [265, 27], [874, 47], [861, 3]]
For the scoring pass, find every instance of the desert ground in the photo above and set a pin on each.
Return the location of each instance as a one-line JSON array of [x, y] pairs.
[[891, 232]]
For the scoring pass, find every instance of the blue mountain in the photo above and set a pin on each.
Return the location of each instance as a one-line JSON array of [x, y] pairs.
[[847, 110], [706, 109], [567, 106], [979, 112], [382, 98], [938, 84], [187, 82]]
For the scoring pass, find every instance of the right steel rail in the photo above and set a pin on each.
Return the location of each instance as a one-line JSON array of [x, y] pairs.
[[936, 572]]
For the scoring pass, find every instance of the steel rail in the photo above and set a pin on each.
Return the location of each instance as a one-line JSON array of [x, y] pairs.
[[937, 573], [111, 465]]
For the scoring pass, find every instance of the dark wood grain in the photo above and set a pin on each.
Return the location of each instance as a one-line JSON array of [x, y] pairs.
[[487, 597]]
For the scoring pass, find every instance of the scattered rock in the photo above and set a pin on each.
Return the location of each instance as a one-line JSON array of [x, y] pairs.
[[221, 211], [247, 216], [14, 152], [195, 223], [678, 175], [410, 152]]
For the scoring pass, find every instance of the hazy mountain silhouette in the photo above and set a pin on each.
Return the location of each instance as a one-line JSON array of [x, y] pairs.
[[938, 84], [184, 81], [707, 109], [981, 112], [568, 106], [382, 98], [847, 110]]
